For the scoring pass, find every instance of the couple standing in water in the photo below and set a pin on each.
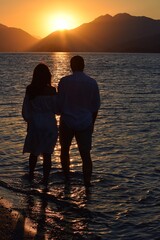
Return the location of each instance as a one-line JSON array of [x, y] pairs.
[[77, 102]]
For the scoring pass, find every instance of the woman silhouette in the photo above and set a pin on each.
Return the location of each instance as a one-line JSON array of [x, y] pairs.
[[38, 110]]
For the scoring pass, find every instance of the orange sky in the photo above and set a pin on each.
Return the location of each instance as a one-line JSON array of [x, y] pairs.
[[41, 17]]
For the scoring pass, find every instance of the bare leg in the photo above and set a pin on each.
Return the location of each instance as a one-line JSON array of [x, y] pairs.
[[65, 161], [65, 135], [87, 167], [46, 167], [32, 165]]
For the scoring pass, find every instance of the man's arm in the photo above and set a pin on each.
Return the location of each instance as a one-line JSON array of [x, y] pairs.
[[94, 116]]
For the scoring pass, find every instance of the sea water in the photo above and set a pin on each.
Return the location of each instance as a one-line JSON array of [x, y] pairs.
[[124, 200]]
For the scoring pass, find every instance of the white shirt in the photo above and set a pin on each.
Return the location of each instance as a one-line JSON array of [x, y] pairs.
[[42, 130], [78, 98]]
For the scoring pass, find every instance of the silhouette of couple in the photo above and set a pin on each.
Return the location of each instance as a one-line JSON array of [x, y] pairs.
[[77, 102]]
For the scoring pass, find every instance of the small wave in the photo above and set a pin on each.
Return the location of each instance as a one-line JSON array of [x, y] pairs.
[[74, 213], [44, 193]]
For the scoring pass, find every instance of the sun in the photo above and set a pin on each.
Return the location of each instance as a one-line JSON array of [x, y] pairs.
[[59, 21]]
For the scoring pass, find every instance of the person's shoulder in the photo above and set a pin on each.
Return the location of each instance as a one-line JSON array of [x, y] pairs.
[[90, 79], [50, 90], [29, 86], [28, 89], [65, 79]]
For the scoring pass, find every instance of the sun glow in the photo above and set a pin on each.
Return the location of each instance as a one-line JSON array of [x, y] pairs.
[[60, 22]]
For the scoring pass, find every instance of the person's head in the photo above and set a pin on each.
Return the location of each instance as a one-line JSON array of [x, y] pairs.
[[41, 76], [77, 63]]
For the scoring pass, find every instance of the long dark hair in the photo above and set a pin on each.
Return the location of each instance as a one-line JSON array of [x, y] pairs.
[[40, 81], [41, 76]]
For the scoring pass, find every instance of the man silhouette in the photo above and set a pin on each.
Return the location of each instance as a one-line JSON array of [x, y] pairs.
[[79, 101]]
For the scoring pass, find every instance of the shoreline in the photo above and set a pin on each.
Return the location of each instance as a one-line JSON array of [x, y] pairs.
[[13, 225]]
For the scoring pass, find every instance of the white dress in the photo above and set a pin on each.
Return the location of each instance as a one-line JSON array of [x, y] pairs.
[[42, 132]]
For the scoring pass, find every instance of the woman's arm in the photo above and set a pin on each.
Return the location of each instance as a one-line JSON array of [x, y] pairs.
[[26, 109]]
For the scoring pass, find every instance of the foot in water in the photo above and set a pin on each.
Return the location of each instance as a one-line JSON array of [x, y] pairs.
[[44, 182], [87, 184], [31, 177]]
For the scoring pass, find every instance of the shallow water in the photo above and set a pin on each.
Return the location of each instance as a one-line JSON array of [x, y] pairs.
[[123, 202]]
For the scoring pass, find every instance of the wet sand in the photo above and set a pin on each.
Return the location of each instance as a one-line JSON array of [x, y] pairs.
[[13, 226]]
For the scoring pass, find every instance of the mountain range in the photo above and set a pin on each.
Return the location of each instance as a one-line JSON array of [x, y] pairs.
[[120, 33], [15, 39]]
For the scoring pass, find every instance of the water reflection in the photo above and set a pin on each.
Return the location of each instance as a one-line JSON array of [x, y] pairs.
[[37, 211], [125, 154], [60, 66], [60, 218]]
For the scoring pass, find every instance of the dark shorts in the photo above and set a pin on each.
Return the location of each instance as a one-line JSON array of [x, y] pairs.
[[83, 137]]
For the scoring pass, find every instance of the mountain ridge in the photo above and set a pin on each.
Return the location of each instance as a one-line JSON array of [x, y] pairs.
[[107, 34], [120, 33], [15, 39]]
